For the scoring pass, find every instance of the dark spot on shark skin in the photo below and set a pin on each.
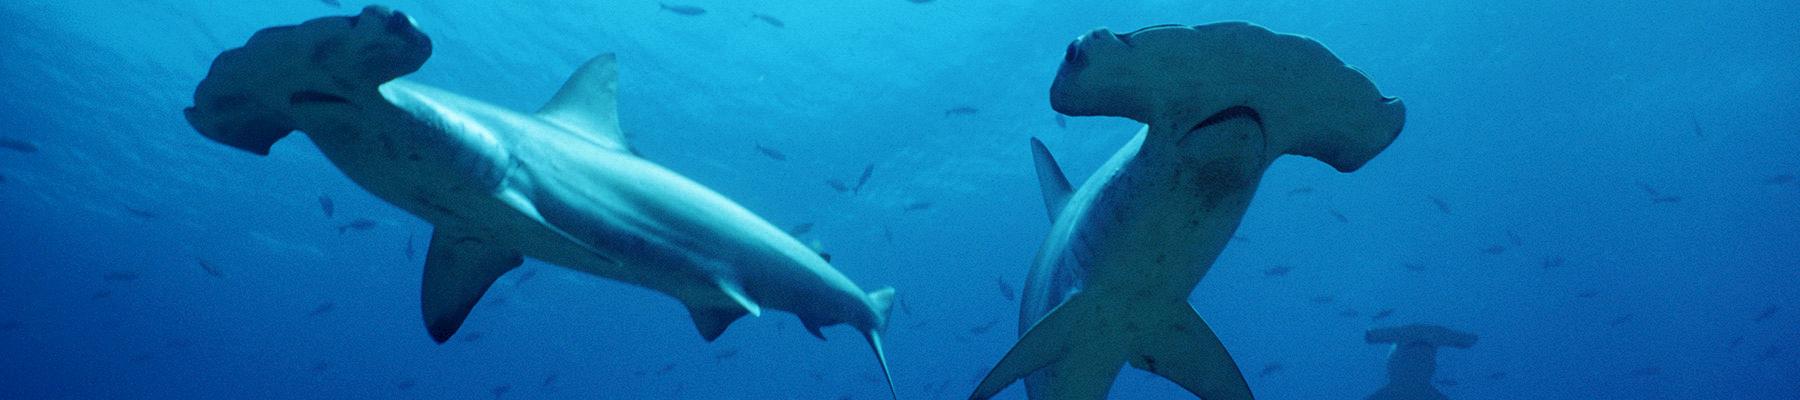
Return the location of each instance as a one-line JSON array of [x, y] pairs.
[[1270, 369]]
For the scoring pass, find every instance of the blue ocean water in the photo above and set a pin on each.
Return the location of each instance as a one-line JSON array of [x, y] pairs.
[[1605, 193]]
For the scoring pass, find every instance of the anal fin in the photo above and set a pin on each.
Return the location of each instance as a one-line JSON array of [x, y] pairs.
[[459, 268], [712, 321]]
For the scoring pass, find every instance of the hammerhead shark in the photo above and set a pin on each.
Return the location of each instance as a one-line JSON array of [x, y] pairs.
[[1219, 102], [562, 185]]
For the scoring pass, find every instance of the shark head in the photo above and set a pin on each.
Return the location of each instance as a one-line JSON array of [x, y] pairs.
[[1178, 76], [249, 97]]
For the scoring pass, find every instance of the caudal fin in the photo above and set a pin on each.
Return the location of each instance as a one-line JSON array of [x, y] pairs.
[[1082, 343], [882, 301]]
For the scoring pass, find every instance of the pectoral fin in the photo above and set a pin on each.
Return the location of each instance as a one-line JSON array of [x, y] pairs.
[[1179, 346], [459, 268]]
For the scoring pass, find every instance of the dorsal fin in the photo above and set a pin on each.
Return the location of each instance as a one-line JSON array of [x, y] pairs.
[[588, 103], [1050, 178]]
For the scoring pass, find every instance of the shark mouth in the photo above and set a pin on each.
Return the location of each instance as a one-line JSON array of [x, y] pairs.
[[310, 97]]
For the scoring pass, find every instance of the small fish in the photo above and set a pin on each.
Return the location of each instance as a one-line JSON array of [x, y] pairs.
[[500, 391], [1514, 238], [319, 367], [405, 384], [177, 343], [905, 308], [1300, 191], [1415, 267], [1339, 216], [1323, 299], [2, 178], [679, 9], [210, 268], [549, 380], [141, 213], [1447, 382], [1648, 190], [1349, 313], [767, 19], [1665, 199], [1279, 270], [410, 238], [1766, 313], [1239, 238], [773, 154], [1493, 250], [1621, 320], [326, 205], [101, 295], [1782, 179], [837, 185], [1061, 121], [918, 206], [800, 229], [919, 1], [1270, 369], [1381, 315], [961, 110], [665, 369], [1497, 375], [332, 3], [1647, 371], [360, 224], [887, 233], [1698, 132], [1587, 294], [322, 309], [471, 337], [18, 145], [1553, 262], [1735, 342], [725, 353], [868, 170], [1442, 206], [120, 276], [10, 325], [984, 327], [1005, 289]]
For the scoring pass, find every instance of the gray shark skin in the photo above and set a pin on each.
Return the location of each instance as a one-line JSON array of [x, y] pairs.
[[1414, 359], [1219, 102], [560, 185]]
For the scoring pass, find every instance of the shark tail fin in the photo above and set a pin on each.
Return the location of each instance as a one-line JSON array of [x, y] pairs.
[[1072, 346], [882, 301], [588, 104]]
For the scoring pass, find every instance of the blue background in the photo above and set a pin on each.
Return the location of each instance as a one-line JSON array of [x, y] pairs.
[[1536, 120]]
